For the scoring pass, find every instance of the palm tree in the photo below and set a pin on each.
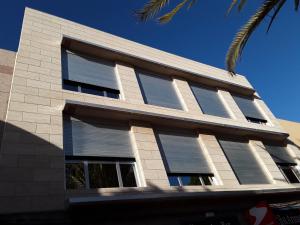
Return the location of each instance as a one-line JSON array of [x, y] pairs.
[[273, 7]]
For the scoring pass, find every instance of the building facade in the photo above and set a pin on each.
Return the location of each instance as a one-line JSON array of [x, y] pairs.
[[125, 133], [293, 128]]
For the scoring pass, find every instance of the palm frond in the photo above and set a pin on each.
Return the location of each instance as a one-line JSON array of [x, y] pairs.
[[232, 4], [241, 5], [168, 16], [150, 9], [242, 37], [278, 8], [192, 3], [297, 4]]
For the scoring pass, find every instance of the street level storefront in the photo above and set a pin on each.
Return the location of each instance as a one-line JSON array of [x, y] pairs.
[[230, 208]]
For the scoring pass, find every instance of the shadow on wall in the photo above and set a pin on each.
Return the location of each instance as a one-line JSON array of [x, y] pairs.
[[32, 179], [31, 171]]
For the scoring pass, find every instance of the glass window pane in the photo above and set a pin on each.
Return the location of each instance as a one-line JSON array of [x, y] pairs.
[[71, 86], [112, 94], [92, 91], [173, 180], [206, 180], [127, 173], [75, 176], [103, 175], [290, 175], [190, 180]]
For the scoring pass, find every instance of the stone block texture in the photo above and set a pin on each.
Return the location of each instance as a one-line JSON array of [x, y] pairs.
[[7, 62], [32, 156]]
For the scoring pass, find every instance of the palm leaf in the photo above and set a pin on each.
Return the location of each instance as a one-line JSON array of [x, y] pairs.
[[278, 8], [297, 4], [242, 37], [233, 3], [150, 9], [241, 5], [191, 4], [168, 16]]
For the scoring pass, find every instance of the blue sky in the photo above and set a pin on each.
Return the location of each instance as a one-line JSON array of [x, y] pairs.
[[270, 61]]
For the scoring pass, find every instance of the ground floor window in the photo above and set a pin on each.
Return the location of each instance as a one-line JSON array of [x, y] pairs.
[[190, 180], [290, 173], [84, 174]]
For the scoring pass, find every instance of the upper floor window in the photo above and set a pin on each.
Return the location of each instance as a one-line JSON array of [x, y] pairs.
[[243, 162], [184, 159], [284, 161], [158, 91], [209, 101], [98, 154], [89, 75], [249, 109]]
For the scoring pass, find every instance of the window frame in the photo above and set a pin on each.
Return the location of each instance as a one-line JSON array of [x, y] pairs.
[[200, 177], [292, 168], [215, 89], [164, 77], [79, 85], [255, 120], [250, 119], [117, 166]]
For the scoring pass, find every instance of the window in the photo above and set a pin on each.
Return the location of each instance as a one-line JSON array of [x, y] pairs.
[[249, 109], [190, 180], [289, 172], [158, 91], [99, 174], [181, 152], [90, 89], [75, 178], [209, 101], [98, 153], [284, 161], [96, 138], [89, 75], [243, 162], [183, 158]]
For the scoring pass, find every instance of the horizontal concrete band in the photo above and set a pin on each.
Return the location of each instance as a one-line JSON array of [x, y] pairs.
[[88, 109], [136, 195]]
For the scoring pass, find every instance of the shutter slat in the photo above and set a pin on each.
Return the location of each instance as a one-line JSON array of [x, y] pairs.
[[280, 154], [209, 101], [159, 91], [243, 162], [248, 107], [88, 70], [91, 138], [182, 153]]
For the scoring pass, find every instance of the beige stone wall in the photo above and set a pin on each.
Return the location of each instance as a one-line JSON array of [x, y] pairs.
[[293, 128], [32, 157], [7, 62]]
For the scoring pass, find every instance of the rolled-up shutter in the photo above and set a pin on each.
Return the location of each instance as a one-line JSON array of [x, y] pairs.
[[243, 162], [280, 154], [88, 70], [158, 91], [209, 101], [182, 153], [248, 107], [94, 138]]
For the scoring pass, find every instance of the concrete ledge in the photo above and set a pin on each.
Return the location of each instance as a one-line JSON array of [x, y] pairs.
[[90, 109]]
